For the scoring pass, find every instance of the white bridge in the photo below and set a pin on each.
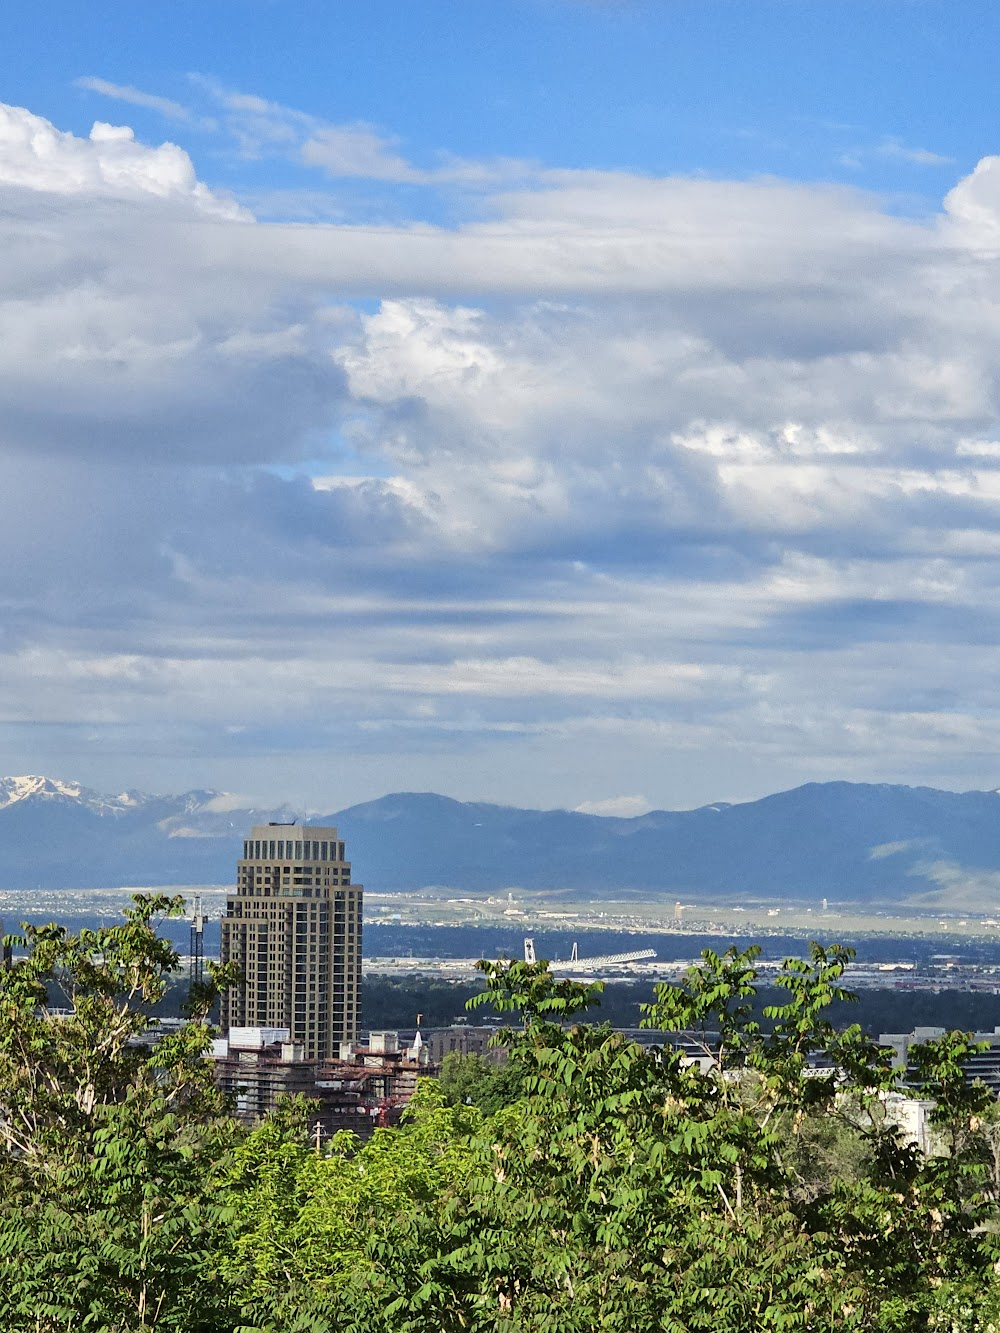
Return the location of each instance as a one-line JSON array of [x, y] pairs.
[[578, 964]]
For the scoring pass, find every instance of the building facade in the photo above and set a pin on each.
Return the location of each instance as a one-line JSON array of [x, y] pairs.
[[983, 1065], [365, 1088], [466, 1040], [293, 928]]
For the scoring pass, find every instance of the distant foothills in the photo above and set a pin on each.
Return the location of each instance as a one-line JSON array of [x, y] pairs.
[[848, 842]]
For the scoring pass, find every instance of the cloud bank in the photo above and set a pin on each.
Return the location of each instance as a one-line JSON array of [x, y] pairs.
[[612, 483]]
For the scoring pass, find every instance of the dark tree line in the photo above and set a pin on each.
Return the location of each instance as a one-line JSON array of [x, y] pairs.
[[394, 1002]]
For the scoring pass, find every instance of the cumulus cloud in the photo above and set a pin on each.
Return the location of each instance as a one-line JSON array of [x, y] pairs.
[[109, 164], [974, 206], [689, 484], [114, 338]]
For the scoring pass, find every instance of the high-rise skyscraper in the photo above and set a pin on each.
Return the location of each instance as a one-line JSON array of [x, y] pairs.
[[294, 929]]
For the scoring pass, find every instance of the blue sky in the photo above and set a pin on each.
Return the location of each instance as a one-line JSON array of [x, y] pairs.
[[585, 404], [725, 87]]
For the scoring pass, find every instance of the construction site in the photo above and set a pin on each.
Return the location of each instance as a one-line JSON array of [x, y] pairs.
[[367, 1087]]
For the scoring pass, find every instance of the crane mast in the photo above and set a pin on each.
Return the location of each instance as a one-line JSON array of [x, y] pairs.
[[197, 949]]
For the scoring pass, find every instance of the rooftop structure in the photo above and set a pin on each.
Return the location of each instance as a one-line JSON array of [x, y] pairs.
[[361, 1089]]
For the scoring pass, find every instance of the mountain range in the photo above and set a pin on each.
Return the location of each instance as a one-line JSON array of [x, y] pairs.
[[849, 842]]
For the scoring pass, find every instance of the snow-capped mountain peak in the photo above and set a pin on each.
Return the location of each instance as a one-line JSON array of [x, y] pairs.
[[15, 789], [34, 786]]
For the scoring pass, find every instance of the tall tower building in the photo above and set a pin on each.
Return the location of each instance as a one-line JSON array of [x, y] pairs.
[[294, 929]]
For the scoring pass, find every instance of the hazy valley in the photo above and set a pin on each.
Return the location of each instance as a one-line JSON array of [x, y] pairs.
[[874, 847]]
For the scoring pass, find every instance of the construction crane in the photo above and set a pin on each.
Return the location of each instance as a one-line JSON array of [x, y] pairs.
[[197, 950], [576, 963]]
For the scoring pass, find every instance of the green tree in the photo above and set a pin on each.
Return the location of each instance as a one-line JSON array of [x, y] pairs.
[[629, 1190], [112, 1148], [474, 1080], [606, 1185], [336, 1239]]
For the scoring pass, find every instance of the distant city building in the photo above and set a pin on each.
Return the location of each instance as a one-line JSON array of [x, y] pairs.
[[912, 1118], [364, 1088], [293, 928], [983, 1065], [463, 1039]]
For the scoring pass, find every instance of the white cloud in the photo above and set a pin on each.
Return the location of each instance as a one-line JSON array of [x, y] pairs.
[[354, 150], [109, 164], [687, 484], [622, 807], [974, 206], [920, 157], [260, 127], [124, 92], [893, 149], [978, 449], [364, 152], [357, 150]]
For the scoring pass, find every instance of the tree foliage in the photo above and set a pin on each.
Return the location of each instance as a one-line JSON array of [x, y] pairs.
[[112, 1147], [629, 1189], [591, 1182]]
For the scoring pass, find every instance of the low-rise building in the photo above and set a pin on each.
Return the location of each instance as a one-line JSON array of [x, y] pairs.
[[983, 1065], [365, 1087], [463, 1039]]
